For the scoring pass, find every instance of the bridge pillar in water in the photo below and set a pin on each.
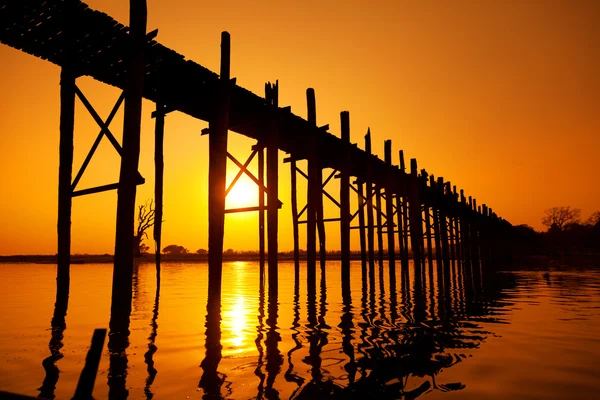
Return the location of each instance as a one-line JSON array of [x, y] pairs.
[[128, 176], [313, 192], [345, 196], [370, 217], [217, 161], [416, 219], [443, 224], [272, 97], [389, 208], [65, 168]]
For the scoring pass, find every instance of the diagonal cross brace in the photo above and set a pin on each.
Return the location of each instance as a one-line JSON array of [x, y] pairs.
[[243, 168], [103, 131]]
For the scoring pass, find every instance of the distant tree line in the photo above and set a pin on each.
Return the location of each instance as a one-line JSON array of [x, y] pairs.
[[566, 234]]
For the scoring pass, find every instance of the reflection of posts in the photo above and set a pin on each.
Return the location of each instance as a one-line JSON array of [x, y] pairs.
[[211, 380], [152, 346], [290, 375], [58, 326], [118, 342], [274, 357]]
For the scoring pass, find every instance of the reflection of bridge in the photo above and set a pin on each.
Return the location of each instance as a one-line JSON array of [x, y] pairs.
[[413, 211]]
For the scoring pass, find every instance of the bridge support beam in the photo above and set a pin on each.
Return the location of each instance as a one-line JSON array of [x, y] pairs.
[[416, 218], [361, 224], [370, 217], [294, 201], [217, 169], [128, 177], [443, 224], [65, 171], [313, 192], [159, 166], [389, 210], [345, 198], [261, 209], [272, 97]]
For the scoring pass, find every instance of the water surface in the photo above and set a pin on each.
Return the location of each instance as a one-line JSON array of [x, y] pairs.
[[458, 333]]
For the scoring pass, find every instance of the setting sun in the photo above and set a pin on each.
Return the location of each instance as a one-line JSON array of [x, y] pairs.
[[243, 194]]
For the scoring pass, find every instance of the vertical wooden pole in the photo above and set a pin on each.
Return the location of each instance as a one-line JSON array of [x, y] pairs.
[[457, 237], [436, 222], [159, 166], [404, 211], [450, 214], [389, 209], [313, 191], [273, 190], [123, 263], [361, 223], [370, 218], [443, 224], [464, 228], [65, 168], [416, 219], [379, 220], [345, 197], [217, 169], [427, 212], [261, 206], [294, 201]]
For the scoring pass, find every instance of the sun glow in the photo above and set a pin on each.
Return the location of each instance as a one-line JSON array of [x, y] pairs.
[[243, 194]]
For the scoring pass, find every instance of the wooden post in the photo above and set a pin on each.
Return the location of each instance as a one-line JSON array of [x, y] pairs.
[[159, 166], [415, 214], [217, 162], [436, 222], [443, 224], [361, 223], [273, 189], [123, 263], [457, 237], [370, 218], [345, 196], [404, 212], [379, 220], [464, 228], [389, 208], [427, 212], [261, 208], [313, 191], [65, 168], [451, 217], [295, 216]]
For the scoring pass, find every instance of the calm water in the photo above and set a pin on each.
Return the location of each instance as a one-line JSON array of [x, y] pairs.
[[519, 335]]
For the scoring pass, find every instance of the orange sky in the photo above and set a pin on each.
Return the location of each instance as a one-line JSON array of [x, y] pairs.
[[501, 98]]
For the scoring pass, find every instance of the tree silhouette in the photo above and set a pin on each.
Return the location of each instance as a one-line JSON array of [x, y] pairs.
[[593, 219], [145, 221], [175, 249], [557, 217]]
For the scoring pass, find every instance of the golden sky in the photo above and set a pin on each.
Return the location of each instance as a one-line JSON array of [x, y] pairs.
[[500, 97]]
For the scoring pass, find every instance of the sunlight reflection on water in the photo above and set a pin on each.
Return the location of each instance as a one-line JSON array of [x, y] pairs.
[[505, 335]]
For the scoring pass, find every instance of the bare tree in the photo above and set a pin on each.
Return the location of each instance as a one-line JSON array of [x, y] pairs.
[[558, 217], [145, 218]]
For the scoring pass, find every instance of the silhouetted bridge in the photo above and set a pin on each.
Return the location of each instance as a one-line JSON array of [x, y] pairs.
[[413, 211]]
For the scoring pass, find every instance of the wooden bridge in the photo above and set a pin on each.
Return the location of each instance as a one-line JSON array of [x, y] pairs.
[[418, 215]]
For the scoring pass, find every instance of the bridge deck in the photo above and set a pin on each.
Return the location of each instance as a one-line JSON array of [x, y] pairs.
[[101, 45]]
